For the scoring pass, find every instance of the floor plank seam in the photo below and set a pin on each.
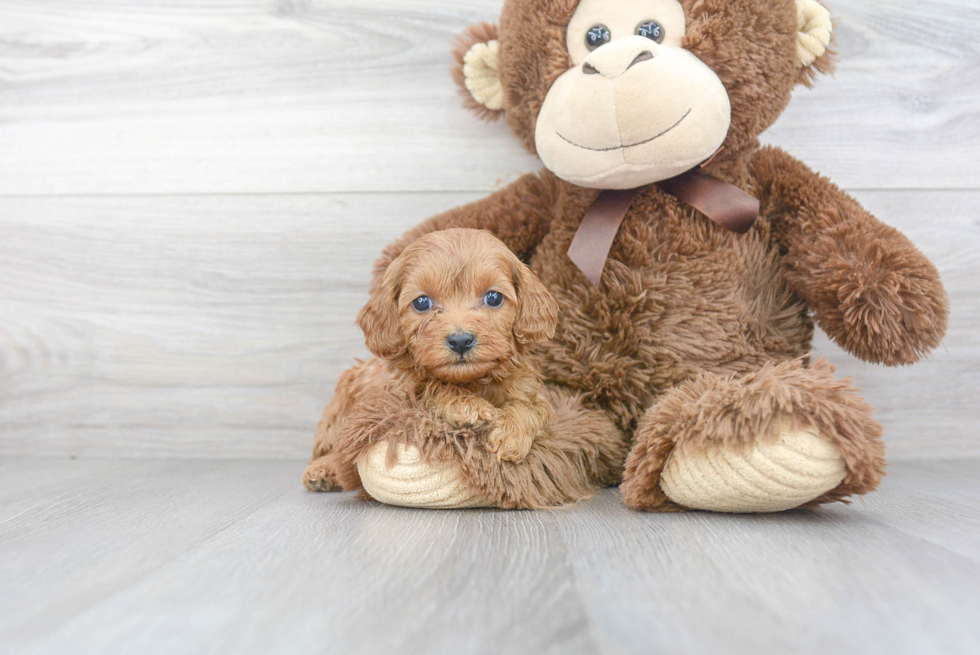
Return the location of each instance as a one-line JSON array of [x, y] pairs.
[[183, 552], [974, 562], [554, 526]]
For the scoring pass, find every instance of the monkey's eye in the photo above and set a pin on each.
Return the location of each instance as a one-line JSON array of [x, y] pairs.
[[493, 299], [597, 36], [422, 304], [652, 30]]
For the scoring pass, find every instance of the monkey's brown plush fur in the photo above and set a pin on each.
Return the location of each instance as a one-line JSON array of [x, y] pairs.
[[578, 452], [696, 337]]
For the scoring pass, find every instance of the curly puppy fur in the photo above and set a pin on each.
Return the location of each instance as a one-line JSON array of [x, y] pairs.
[[685, 306], [488, 392]]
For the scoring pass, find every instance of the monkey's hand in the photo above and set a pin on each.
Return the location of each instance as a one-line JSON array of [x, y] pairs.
[[869, 287]]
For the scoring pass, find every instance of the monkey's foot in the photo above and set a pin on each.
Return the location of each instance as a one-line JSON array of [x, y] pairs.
[[799, 467], [412, 483]]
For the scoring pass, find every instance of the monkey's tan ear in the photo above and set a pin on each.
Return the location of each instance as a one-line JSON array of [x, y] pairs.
[[475, 70], [813, 41]]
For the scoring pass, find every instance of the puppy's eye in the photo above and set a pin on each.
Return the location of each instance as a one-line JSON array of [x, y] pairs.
[[597, 36], [422, 304], [652, 30], [493, 299]]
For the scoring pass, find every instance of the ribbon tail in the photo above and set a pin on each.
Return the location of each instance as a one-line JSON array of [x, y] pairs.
[[593, 240], [723, 203]]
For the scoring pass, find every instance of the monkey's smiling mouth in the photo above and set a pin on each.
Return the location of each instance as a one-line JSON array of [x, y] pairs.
[[623, 147]]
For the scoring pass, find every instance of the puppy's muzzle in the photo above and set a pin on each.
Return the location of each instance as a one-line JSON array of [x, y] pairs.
[[461, 342]]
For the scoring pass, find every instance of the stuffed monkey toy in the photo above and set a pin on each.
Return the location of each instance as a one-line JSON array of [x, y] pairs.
[[689, 263]]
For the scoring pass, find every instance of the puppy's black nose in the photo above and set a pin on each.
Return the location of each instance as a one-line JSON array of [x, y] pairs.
[[460, 342]]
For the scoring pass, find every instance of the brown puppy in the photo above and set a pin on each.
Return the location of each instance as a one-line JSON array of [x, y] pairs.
[[449, 324]]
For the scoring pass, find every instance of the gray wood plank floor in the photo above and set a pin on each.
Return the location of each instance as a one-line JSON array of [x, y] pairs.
[[117, 556]]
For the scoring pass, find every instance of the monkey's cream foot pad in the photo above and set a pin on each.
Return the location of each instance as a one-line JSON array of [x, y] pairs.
[[797, 468], [412, 483]]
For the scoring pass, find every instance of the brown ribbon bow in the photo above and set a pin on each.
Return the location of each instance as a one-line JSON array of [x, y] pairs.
[[720, 201]]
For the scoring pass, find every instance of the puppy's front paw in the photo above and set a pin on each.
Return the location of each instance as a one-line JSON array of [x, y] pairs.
[[509, 443], [321, 475], [469, 412]]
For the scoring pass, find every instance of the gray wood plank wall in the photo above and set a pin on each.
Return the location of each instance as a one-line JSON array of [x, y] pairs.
[[192, 192]]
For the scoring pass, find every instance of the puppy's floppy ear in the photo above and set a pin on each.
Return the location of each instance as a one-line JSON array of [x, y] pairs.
[[378, 319], [537, 311], [475, 70]]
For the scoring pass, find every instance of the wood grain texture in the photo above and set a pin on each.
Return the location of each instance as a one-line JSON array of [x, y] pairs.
[[184, 325], [931, 502], [283, 96], [72, 535], [218, 557], [217, 326], [800, 582]]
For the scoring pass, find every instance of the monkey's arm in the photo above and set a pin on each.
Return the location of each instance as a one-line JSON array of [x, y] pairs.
[[871, 290], [519, 215]]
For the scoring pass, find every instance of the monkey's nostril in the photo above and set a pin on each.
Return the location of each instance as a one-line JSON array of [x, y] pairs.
[[589, 69], [646, 55], [461, 342]]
